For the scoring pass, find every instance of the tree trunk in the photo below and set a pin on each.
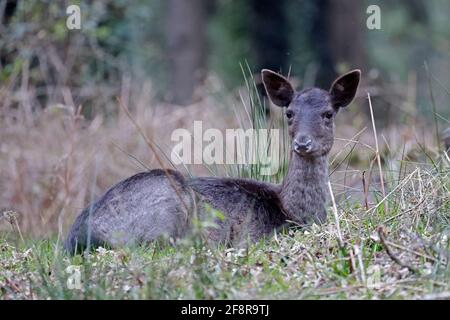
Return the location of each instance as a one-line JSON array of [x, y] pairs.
[[346, 28], [186, 44], [269, 34], [338, 37], [321, 43], [7, 10]]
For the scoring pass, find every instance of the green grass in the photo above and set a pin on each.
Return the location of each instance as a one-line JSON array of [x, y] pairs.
[[297, 264], [399, 253]]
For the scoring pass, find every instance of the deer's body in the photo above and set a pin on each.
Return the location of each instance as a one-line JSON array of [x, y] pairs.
[[148, 205], [252, 209], [255, 209], [136, 210]]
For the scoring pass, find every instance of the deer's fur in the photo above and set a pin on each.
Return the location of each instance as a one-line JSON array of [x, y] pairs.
[[146, 206]]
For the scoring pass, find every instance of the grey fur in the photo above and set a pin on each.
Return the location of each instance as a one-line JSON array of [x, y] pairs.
[[134, 211], [146, 206]]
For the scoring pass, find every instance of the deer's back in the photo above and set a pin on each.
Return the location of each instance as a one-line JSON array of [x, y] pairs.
[[151, 204], [251, 208], [136, 210]]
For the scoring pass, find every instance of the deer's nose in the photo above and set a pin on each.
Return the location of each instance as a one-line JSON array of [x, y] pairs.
[[303, 146]]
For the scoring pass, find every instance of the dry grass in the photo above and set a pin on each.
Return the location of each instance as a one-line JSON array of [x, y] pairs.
[[52, 166], [402, 254], [53, 162]]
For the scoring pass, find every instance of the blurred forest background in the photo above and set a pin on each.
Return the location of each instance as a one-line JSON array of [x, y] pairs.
[[176, 60], [183, 46]]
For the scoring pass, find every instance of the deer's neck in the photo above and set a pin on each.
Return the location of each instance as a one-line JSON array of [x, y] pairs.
[[304, 189]]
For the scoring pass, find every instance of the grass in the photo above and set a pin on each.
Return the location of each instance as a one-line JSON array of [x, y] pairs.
[[364, 251], [410, 261]]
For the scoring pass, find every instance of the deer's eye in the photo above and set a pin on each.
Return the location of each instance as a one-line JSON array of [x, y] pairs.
[[328, 115], [289, 114]]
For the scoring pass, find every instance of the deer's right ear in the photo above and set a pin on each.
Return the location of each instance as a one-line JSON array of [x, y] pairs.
[[278, 88], [343, 90]]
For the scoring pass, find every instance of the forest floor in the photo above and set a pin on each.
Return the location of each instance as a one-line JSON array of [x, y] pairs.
[[399, 252]]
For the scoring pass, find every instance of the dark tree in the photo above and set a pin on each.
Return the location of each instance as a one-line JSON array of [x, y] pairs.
[[7, 10], [338, 36], [269, 31], [186, 47]]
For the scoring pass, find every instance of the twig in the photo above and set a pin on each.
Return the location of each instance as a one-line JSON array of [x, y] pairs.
[[152, 147], [11, 216], [391, 254], [395, 189], [343, 160], [433, 104], [406, 211], [358, 253], [132, 156], [336, 216], [356, 141], [377, 150], [413, 252], [366, 190], [349, 142]]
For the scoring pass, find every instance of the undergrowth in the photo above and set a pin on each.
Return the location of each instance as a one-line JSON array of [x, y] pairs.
[[385, 244]]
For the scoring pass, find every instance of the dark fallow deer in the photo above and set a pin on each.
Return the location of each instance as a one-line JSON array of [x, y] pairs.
[[159, 203]]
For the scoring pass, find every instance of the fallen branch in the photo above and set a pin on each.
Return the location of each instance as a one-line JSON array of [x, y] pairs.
[[391, 254]]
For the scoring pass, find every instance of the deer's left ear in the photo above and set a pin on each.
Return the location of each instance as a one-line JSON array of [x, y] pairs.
[[343, 90], [278, 88]]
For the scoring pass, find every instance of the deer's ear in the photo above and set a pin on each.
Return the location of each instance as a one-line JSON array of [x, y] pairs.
[[279, 89], [343, 90]]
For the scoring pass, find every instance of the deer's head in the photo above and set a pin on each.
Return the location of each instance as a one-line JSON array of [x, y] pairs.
[[311, 112]]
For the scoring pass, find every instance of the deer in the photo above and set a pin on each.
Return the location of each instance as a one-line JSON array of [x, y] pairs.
[[163, 202]]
